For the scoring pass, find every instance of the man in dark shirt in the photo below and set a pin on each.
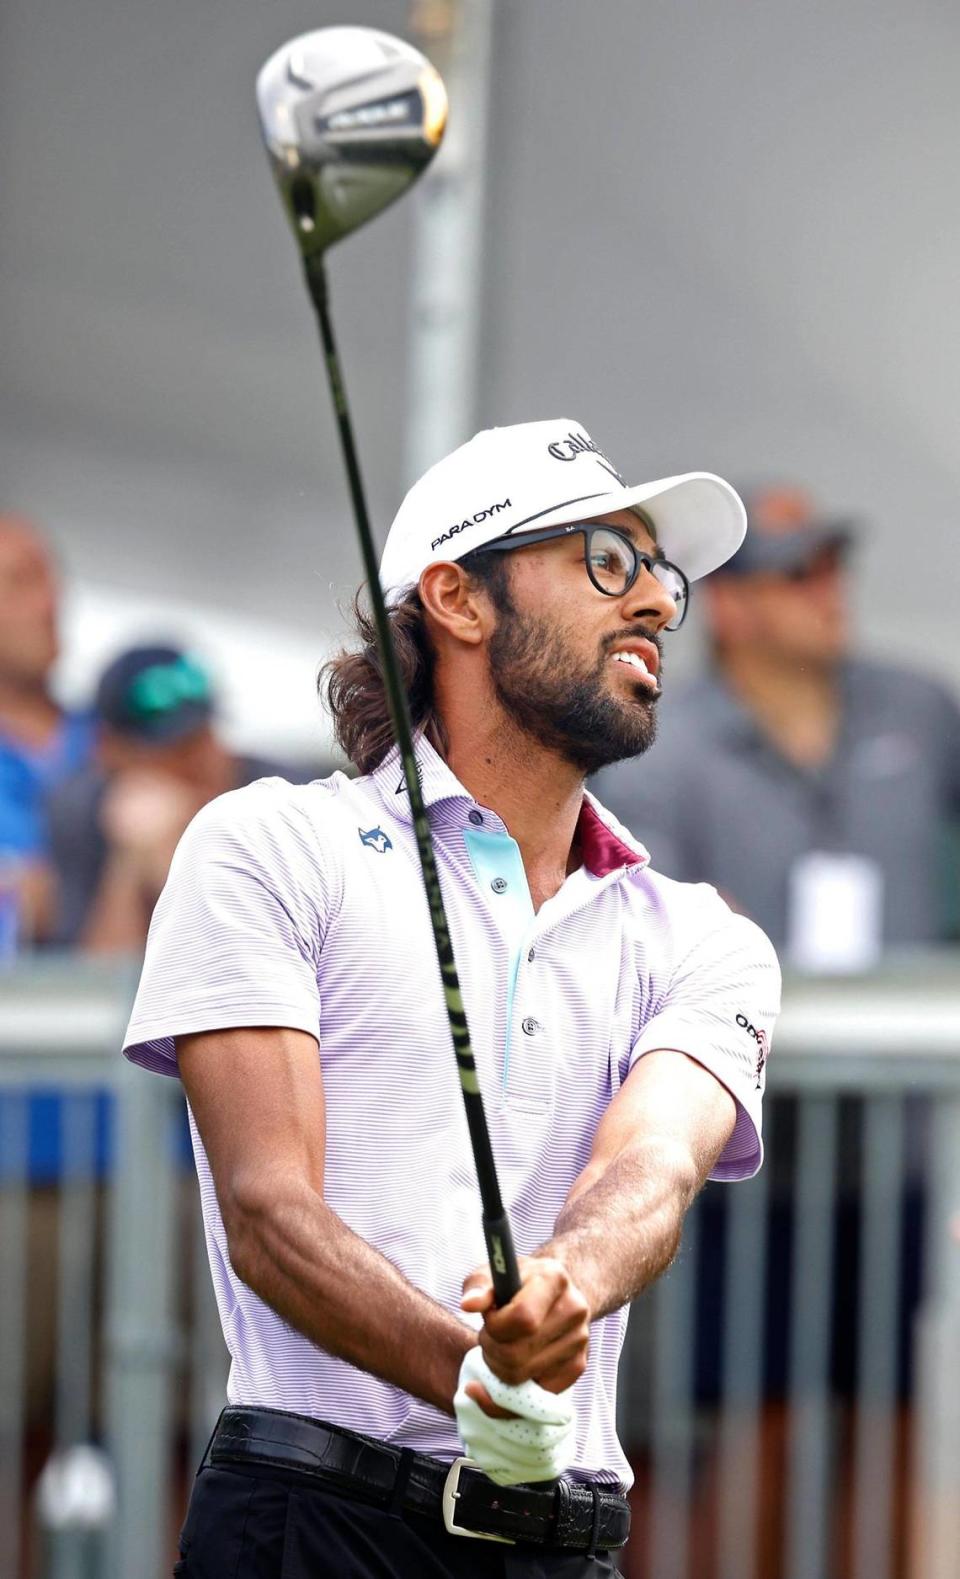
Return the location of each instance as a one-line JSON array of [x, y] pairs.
[[814, 789]]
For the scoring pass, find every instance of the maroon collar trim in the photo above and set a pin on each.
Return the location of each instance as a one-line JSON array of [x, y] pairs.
[[602, 851]]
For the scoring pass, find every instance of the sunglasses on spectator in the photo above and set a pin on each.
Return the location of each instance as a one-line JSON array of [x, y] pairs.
[[827, 559]]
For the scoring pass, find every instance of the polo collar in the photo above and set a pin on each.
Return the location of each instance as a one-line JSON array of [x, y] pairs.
[[437, 783], [605, 845]]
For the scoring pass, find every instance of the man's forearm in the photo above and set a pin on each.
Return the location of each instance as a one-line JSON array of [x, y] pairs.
[[621, 1227], [328, 1283]]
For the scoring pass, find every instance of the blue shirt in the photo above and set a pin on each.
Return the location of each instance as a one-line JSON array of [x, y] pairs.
[[29, 773]]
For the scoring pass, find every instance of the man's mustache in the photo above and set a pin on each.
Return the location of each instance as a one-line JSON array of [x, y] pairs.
[[634, 632]]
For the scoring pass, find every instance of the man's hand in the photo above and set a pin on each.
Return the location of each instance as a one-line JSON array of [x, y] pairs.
[[531, 1438], [142, 818], [543, 1335]]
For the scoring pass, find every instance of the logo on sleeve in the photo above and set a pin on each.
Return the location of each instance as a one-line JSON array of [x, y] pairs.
[[760, 1037], [375, 839]]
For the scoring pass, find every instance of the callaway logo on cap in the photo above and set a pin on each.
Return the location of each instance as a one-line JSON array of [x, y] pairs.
[[537, 474]]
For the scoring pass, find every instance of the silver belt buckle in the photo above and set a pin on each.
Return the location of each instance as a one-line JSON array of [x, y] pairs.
[[451, 1492]]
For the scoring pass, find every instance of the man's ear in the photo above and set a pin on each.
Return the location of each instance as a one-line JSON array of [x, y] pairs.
[[456, 606]]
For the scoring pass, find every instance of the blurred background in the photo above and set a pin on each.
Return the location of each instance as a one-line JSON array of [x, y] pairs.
[[721, 238]]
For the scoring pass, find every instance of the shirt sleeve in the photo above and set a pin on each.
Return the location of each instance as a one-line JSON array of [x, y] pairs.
[[719, 1009], [236, 934]]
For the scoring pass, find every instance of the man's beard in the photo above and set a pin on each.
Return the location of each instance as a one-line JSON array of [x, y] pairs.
[[575, 714]]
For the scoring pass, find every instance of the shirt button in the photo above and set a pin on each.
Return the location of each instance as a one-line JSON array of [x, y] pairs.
[[475, 817], [530, 1026], [499, 885], [531, 956]]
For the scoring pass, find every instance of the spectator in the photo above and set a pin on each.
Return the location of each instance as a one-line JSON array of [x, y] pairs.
[[116, 824], [814, 788], [40, 743]]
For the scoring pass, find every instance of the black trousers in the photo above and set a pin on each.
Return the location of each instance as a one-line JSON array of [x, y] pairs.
[[245, 1523]]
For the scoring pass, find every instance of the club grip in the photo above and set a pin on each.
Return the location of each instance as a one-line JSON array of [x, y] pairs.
[[502, 1257]]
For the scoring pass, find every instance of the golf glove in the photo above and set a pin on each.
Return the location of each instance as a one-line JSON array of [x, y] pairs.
[[537, 1446]]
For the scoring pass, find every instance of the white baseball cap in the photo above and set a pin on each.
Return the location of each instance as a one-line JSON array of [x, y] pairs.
[[535, 474]]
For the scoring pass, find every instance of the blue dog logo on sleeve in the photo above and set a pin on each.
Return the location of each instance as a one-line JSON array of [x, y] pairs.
[[376, 839]]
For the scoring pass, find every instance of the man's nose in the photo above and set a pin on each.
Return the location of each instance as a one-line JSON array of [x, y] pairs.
[[648, 599]]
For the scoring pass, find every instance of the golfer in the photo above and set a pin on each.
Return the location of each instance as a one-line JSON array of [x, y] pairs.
[[621, 1023]]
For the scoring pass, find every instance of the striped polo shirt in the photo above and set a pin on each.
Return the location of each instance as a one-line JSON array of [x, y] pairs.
[[303, 906]]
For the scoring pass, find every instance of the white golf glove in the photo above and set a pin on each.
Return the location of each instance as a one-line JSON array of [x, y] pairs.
[[537, 1446]]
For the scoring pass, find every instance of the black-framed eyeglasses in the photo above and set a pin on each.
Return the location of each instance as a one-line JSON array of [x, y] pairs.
[[612, 559]]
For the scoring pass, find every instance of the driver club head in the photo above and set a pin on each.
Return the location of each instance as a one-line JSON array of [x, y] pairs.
[[350, 117]]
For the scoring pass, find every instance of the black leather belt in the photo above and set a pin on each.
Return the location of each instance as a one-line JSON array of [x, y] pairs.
[[559, 1514]]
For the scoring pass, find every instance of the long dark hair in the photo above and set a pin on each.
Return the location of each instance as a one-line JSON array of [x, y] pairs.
[[351, 684]]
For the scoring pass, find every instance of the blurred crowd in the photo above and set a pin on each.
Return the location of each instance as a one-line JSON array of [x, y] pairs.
[[817, 789], [93, 802]]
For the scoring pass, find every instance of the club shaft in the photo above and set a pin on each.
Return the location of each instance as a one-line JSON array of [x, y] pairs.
[[496, 1225]]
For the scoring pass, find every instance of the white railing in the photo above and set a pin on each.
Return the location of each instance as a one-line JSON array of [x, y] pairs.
[[740, 1474]]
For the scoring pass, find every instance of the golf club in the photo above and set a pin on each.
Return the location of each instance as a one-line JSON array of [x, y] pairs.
[[351, 116]]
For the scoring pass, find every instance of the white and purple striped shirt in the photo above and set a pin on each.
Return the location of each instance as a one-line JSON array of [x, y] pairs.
[[303, 906]]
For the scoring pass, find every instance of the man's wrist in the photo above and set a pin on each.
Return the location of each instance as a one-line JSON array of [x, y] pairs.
[[579, 1267], [450, 1357]]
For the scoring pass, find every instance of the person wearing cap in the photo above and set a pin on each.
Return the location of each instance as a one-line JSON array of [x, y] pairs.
[[41, 743], [115, 824], [814, 787], [383, 1417]]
